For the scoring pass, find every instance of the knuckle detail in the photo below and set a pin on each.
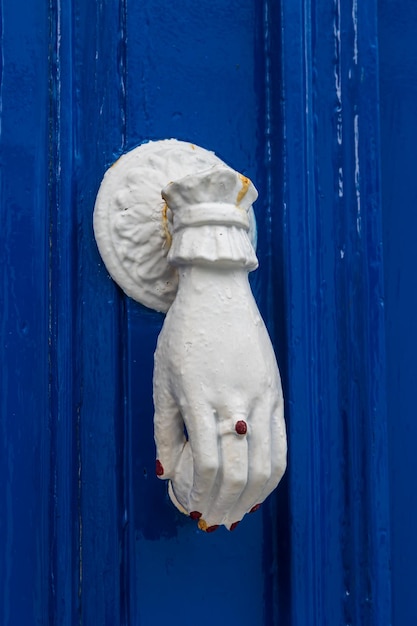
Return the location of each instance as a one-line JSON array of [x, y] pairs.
[[236, 482], [208, 467]]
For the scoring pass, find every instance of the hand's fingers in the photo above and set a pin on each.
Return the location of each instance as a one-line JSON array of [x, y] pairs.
[[203, 440], [168, 432], [263, 443], [181, 483], [233, 475], [278, 451]]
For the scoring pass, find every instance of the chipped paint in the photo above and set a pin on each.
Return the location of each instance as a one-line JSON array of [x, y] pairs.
[[165, 226], [245, 186]]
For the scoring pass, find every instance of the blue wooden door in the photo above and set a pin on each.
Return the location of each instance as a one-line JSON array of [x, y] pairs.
[[90, 535], [289, 95]]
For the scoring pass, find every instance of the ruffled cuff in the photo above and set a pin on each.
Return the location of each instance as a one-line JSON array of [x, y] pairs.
[[208, 243], [210, 220]]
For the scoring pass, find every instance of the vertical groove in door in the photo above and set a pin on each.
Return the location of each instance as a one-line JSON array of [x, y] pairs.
[[64, 386], [270, 290], [99, 137]]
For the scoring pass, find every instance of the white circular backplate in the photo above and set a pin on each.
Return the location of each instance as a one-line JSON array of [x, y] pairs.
[[132, 225]]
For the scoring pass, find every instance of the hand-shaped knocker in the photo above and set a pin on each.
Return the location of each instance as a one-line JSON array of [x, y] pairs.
[[219, 426]]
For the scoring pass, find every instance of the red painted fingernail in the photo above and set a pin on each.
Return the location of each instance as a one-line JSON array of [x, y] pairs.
[[195, 515], [211, 529], [159, 468], [234, 525], [241, 427], [255, 508]]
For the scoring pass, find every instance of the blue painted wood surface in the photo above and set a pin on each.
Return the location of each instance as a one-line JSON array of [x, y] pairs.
[[25, 440], [398, 91], [289, 95], [335, 323]]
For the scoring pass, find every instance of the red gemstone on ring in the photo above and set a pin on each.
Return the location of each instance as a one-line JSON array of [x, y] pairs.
[[159, 468], [211, 529], [195, 515], [241, 427], [234, 525], [255, 508]]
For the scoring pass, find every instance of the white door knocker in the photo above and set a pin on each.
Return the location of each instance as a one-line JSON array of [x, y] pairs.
[[175, 227]]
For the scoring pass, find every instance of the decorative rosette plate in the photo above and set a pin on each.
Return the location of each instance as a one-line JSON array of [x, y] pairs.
[[132, 223]]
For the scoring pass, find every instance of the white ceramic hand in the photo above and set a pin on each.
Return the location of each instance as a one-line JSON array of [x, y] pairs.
[[219, 425], [216, 375]]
